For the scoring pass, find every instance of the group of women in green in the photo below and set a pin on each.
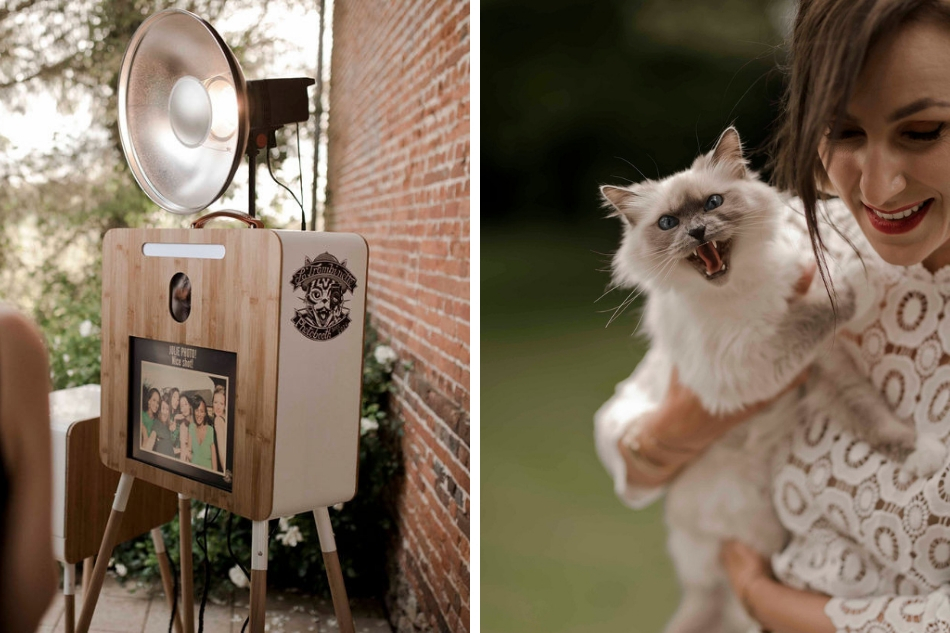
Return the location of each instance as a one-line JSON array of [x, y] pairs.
[[183, 427]]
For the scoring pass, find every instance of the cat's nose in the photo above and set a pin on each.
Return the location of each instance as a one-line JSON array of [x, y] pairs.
[[699, 233]]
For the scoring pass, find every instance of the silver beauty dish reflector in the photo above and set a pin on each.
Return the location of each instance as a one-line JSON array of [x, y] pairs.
[[182, 111]]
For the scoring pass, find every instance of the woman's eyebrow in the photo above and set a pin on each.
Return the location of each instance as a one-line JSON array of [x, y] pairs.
[[916, 106]]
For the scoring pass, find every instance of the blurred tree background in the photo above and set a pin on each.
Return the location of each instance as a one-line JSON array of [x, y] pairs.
[[574, 95], [66, 181]]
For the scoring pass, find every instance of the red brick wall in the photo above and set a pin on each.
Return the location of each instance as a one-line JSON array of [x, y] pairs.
[[399, 174]]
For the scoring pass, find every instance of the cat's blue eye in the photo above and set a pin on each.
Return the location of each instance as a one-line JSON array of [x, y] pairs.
[[712, 202], [667, 222]]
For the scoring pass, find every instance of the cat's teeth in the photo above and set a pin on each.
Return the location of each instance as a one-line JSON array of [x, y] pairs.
[[715, 244], [721, 270]]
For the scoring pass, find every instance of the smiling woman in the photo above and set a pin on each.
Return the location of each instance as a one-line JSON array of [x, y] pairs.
[[887, 157], [867, 540]]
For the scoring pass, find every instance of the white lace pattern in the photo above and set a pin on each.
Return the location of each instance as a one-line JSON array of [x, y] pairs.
[[861, 529]]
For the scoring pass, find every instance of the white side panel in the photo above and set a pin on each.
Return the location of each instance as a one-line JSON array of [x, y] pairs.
[[320, 370], [66, 407]]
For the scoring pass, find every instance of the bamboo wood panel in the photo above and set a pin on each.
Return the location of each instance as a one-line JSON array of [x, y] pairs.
[[90, 488], [235, 308]]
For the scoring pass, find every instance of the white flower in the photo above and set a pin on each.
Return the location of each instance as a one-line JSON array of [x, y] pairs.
[[284, 523], [385, 355], [85, 328], [367, 425], [291, 537], [238, 579], [121, 570], [65, 358]]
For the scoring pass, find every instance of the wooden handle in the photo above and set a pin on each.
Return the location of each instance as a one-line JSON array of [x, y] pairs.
[[187, 575], [254, 223], [91, 592], [258, 599], [70, 615], [338, 592]]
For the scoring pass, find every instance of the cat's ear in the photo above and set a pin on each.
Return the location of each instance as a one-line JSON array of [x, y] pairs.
[[728, 152], [620, 200]]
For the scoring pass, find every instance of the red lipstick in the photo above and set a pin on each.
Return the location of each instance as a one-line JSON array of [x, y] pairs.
[[896, 227]]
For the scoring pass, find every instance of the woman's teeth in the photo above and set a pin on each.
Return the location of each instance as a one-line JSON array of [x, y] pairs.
[[903, 214]]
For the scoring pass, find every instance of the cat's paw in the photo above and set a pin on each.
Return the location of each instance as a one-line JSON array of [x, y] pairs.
[[929, 457]]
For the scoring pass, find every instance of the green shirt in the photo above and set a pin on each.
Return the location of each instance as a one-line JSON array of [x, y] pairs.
[[148, 421], [201, 453]]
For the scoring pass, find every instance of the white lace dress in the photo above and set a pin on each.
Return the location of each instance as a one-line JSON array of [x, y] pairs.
[[861, 531]]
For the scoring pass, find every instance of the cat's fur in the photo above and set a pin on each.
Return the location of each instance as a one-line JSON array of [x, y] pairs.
[[738, 336]]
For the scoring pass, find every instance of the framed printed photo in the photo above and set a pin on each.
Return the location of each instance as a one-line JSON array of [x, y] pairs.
[[181, 409]]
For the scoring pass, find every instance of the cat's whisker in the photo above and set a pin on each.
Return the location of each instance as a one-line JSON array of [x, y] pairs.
[[623, 306], [632, 165]]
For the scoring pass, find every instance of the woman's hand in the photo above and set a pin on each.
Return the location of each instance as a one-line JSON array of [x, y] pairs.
[[746, 569], [678, 431], [770, 603]]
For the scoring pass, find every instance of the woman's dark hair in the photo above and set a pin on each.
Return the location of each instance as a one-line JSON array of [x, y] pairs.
[[195, 401], [829, 45], [148, 396]]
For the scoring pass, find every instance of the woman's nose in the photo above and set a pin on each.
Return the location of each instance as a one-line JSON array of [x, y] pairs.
[[882, 177]]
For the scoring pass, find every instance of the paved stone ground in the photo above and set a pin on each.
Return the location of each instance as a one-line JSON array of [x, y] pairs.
[[143, 610]]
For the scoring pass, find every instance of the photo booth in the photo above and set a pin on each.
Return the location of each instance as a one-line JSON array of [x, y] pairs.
[[258, 332]]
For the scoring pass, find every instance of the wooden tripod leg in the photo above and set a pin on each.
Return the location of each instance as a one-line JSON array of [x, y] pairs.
[[259, 546], [87, 565], [187, 574], [69, 596], [334, 572], [91, 593], [166, 569]]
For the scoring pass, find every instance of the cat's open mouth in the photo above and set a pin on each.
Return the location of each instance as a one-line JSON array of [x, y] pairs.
[[711, 258]]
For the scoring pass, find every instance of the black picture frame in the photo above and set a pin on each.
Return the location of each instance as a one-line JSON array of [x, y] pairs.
[[194, 371]]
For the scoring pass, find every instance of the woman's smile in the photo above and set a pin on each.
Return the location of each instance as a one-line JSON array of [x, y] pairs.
[[901, 220]]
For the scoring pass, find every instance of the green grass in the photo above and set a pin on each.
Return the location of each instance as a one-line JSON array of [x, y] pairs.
[[559, 550]]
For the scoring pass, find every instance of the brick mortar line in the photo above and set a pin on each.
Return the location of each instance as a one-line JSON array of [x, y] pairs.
[[437, 293], [431, 413], [436, 312], [415, 318], [455, 361], [417, 286], [418, 549], [450, 527]]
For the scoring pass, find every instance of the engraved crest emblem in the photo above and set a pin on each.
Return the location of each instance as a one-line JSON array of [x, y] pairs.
[[325, 286]]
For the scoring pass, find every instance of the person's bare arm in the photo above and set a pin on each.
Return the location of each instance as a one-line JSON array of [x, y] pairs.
[[679, 431], [27, 568], [777, 608]]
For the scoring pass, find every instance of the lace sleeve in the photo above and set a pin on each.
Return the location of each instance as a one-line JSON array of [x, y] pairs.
[[928, 613], [634, 397]]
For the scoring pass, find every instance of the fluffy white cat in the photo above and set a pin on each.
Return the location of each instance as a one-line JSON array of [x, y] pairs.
[[720, 264]]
